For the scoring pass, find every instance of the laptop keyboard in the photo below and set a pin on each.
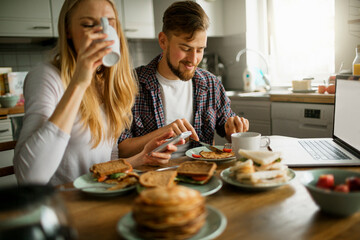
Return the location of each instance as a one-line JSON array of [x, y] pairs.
[[322, 150]]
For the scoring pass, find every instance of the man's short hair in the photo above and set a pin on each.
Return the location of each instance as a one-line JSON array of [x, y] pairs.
[[184, 17]]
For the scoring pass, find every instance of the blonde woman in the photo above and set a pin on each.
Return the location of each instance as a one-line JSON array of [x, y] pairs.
[[75, 108]]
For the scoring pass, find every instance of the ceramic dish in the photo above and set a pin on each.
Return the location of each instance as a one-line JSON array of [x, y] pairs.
[[303, 91], [87, 180], [197, 151], [329, 201], [207, 189], [225, 175], [215, 224]]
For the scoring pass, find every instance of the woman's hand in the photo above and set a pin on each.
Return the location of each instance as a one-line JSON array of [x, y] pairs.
[[89, 55], [158, 158]]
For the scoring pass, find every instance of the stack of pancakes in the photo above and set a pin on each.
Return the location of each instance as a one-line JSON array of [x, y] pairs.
[[169, 212]]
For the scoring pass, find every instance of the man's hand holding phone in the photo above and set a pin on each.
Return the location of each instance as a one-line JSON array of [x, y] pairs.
[[173, 140], [181, 126], [162, 154]]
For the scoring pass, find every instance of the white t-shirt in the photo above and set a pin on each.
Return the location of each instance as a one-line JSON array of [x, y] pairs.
[[177, 98], [44, 153]]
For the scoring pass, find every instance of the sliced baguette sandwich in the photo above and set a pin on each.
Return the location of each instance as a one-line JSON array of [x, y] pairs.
[[260, 168], [112, 171], [196, 172], [260, 177], [158, 179], [263, 160]]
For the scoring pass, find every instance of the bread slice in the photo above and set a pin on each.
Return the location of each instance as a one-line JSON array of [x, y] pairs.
[[158, 179], [260, 157], [197, 169], [110, 167], [215, 155]]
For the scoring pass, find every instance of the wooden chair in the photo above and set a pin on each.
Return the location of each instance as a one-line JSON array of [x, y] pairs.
[[5, 146]]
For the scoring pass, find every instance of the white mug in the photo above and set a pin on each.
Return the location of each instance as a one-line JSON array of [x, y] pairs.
[[248, 141], [114, 56]]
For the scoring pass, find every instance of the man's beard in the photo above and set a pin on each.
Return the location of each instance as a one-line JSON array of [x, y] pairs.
[[185, 75]]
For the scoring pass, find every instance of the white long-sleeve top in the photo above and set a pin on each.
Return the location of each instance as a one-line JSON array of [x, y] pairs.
[[44, 153]]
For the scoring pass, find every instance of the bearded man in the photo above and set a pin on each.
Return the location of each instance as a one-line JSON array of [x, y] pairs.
[[174, 93]]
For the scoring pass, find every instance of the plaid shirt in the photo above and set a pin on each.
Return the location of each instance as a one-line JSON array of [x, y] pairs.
[[211, 105]]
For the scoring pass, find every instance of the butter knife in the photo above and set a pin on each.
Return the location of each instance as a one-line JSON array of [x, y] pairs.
[[208, 146], [156, 170]]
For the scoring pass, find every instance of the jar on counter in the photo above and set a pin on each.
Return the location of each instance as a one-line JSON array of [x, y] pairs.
[[356, 62]]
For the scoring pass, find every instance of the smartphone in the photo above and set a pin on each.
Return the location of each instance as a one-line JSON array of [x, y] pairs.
[[173, 140]]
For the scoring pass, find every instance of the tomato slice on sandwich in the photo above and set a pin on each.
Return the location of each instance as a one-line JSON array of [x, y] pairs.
[[102, 178], [199, 178]]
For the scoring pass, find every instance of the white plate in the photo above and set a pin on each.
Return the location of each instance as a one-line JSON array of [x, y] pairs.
[[197, 151], [225, 175], [207, 189], [87, 180], [303, 91], [215, 224]]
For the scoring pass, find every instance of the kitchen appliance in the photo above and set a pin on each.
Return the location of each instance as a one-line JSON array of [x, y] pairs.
[[302, 120], [212, 63], [33, 212], [249, 74], [345, 137]]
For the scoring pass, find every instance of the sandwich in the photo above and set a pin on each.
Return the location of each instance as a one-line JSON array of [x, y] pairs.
[[195, 172], [158, 179], [115, 172], [172, 213], [216, 155], [260, 168], [263, 160]]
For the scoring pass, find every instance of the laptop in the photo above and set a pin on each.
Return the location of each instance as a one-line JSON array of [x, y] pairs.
[[343, 149]]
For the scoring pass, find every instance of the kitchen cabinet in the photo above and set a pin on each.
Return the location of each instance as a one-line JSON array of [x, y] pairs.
[[5, 130], [214, 10], [55, 12], [137, 18], [223, 15], [227, 17], [6, 156], [257, 112], [24, 18]]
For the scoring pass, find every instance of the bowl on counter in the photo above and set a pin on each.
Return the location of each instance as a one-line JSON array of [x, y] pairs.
[[8, 101], [330, 201]]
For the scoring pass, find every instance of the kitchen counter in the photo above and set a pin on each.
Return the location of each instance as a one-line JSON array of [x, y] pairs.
[[13, 110], [303, 97], [273, 96], [283, 96]]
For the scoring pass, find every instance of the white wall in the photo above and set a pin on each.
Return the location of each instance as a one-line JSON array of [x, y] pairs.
[[345, 42]]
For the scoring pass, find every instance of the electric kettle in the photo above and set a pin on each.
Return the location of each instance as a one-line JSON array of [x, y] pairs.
[[33, 212]]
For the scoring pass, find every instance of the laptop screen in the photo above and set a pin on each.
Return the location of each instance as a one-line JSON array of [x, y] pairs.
[[347, 111]]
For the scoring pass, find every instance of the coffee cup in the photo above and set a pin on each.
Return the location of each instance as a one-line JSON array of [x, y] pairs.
[[248, 141], [114, 56]]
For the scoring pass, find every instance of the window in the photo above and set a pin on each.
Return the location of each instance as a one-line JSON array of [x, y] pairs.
[[301, 40]]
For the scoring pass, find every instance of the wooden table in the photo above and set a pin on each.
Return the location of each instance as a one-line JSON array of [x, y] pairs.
[[287, 212]]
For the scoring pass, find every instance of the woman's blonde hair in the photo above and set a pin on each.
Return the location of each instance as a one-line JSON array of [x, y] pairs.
[[119, 88]]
